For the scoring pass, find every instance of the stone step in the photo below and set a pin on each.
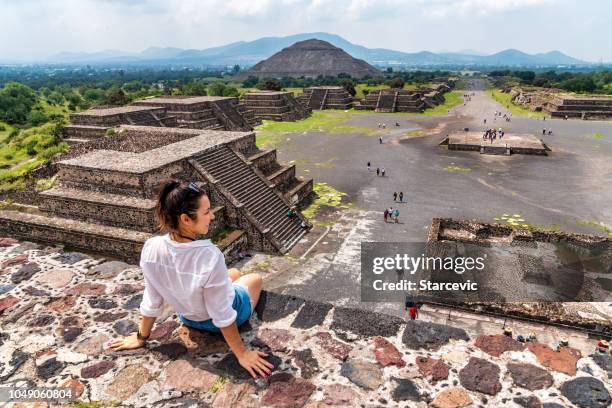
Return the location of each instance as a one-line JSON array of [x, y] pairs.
[[122, 243], [91, 206], [73, 141]]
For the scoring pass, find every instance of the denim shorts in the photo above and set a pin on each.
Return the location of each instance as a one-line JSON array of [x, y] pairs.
[[241, 304]]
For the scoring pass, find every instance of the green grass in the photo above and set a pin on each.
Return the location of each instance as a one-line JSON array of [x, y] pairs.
[[505, 99], [269, 133], [597, 136], [327, 196], [26, 151], [451, 99], [597, 225], [458, 169], [7, 130]]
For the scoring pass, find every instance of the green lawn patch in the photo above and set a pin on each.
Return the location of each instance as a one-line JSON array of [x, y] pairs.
[[597, 225], [597, 136], [326, 196], [458, 169], [505, 99]]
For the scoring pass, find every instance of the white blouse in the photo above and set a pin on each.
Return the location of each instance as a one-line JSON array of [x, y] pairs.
[[191, 277]]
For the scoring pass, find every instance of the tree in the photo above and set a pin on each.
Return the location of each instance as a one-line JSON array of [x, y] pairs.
[[116, 96], [231, 91], [250, 82], [269, 85], [216, 89], [389, 70], [16, 102], [55, 98], [236, 69], [396, 82], [349, 86], [194, 88]]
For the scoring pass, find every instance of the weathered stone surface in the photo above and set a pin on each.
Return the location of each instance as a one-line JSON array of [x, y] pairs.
[[56, 278], [498, 344], [17, 359], [7, 242], [480, 375], [170, 350], [528, 401], [7, 302], [32, 291], [72, 321], [49, 368], [107, 269], [185, 376], [71, 357], [152, 394], [552, 405], [25, 272], [604, 361], [104, 304], [107, 317], [37, 342], [334, 347], [230, 367], [362, 373], [76, 386], [288, 394], [432, 369], [563, 361], [306, 362], [201, 343], [70, 258], [41, 320], [25, 246], [133, 303], [386, 353], [19, 312], [273, 306], [128, 289], [274, 339], [587, 392], [236, 395], [92, 346], [529, 376], [128, 381], [87, 289], [340, 395], [16, 260], [6, 288], [62, 304], [405, 390], [125, 327], [419, 334], [365, 323], [164, 330], [311, 314], [452, 398], [97, 369]]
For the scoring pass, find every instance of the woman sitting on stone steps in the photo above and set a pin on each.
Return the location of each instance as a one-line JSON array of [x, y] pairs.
[[191, 276]]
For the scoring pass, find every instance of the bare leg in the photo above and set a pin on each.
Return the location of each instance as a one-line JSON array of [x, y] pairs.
[[254, 284], [233, 274]]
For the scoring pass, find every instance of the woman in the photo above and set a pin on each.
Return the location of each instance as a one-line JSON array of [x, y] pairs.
[[191, 276]]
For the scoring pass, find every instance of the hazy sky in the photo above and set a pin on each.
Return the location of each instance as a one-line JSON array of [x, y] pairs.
[[39, 28]]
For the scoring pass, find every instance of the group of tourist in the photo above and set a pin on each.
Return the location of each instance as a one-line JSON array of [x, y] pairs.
[[491, 134], [549, 131], [501, 115], [400, 196], [392, 215]]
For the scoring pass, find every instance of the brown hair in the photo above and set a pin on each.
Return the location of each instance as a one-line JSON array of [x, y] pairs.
[[175, 198]]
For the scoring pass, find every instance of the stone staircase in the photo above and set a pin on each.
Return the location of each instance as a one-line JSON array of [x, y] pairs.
[[317, 99], [257, 197], [386, 102]]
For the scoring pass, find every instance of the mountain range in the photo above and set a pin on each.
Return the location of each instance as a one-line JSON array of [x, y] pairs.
[[248, 53]]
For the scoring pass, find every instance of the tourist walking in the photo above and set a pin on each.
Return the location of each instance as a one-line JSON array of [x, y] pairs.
[[369, 169], [550, 131], [378, 171], [396, 214], [382, 172], [413, 312], [544, 131], [401, 196], [386, 214], [380, 139], [190, 275], [395, 196]]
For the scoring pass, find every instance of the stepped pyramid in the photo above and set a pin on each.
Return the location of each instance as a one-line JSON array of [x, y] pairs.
[[311, 58], [104, 200]]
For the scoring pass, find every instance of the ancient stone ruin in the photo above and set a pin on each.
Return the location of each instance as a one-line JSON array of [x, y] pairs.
[[193, 112], [94, 123], [403, 100], [275, 105], [511, 143], [579, 107], [326, 97], [311, 58], [250, 193]]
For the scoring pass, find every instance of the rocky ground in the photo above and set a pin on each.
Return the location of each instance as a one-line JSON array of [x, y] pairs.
[[58, 310]]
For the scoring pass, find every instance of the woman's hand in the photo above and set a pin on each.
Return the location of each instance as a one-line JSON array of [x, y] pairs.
[[127, 343], [255, 363]]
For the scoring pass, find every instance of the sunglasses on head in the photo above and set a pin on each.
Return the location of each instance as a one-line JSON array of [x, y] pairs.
[[194, 187]]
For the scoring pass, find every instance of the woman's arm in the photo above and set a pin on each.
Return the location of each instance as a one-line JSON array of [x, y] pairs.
[[252, 361], [132, 341]]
